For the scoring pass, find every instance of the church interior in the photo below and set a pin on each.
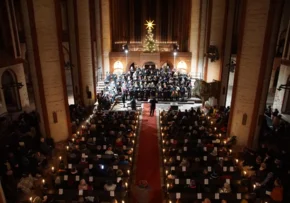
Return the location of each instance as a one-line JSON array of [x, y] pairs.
[[145, 101]]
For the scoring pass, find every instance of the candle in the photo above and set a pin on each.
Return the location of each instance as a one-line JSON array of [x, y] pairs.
[[220, 135], [230, 151], [245, 173], [126, 184], [167, 185], [43, 181], [130, 159], [162, 134], [128, 171], [214, 128], [208, 117], [134, 134], [78, 132], [67, 148], [225, 142], [163, 150], [73, 140], [164, 160], [211, 122], [60, 158], [166, 172], [133, 141], [254, 186], [163, 141], [52, 169], [237, 161]]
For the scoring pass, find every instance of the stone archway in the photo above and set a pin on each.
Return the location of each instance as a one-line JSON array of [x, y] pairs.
[[10, 91]]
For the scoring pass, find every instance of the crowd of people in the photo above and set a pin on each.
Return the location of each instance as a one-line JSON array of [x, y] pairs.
[[199, 162], [24, 155], [143, 83], [99, 159]]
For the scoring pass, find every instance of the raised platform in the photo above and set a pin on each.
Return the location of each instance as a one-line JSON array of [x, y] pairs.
[[162, 105]]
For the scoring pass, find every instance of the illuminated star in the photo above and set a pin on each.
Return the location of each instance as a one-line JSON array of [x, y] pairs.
[[149, 24]]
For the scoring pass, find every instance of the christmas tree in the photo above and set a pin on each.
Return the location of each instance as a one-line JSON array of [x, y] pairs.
[[149, 44]]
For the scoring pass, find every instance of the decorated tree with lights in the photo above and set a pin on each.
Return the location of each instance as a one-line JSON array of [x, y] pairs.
[[149, 44]]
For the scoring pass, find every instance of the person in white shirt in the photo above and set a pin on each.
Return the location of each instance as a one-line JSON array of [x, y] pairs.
[[109, 151], [109, 186]]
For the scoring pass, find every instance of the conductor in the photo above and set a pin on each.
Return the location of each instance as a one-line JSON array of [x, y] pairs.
[[152, 105]]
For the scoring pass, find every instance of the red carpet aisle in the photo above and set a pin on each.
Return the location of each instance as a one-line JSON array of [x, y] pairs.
[[147, 164]]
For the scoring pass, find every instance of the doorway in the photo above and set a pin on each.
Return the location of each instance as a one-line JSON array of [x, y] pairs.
[[10, 91]]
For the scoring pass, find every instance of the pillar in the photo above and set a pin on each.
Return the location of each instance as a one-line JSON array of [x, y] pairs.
[[106, 35], [194, 36], [42, 24], [218, 22], [227, 50], [202, 38], [84, 52], [256, 49], [99, 40], [73, 49]]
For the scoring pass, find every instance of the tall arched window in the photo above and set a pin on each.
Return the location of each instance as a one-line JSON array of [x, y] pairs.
[[10, 91], [118, 68], [182, 67], [286, 99]]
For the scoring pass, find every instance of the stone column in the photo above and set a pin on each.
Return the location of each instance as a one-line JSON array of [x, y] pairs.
[[194, 35], [42, 24], [216, 38], [99, 41], [84, 52], [202, 39], [106, 35], [258, 36], [73, 49], [227, 50]]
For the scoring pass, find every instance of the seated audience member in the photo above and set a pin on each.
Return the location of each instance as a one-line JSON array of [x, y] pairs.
[[74, 171], [109, 151], [184, 162], [206, 200], [226, 188], [277, 192], [172, 175], [44, 148], [261, 173], [37, 199], [83, 185], [26, 184], [122, 160], [109, 186]]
